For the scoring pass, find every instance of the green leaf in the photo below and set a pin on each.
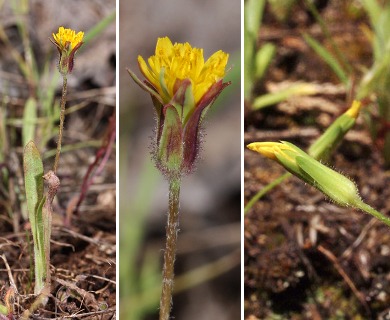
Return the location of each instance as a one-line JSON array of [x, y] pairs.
[[33, 179], [29, 120]]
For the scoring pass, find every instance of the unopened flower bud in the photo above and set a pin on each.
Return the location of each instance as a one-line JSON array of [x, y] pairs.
[[333, 184], [329, 140]]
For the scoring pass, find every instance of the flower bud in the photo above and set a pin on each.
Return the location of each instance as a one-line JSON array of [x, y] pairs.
[[324, 145], [333, 184]]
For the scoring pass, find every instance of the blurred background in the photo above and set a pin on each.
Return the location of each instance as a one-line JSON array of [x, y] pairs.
[[208, 262]]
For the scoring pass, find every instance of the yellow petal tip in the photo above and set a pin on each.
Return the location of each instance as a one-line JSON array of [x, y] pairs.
[[267, 149], [354, 110]]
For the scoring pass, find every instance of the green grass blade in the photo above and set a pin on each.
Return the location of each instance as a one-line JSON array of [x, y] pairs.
[[298, 89], [373, 9], [327, 57], [265, 190], [263, 59], [249, 49], [253, 13], [96, 30]]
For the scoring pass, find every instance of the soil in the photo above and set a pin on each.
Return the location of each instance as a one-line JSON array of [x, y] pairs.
[[83, 241], [305, 257]]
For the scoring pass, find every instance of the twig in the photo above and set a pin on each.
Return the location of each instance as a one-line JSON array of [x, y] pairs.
[[101, 278], [10, 276], [345, 276], [359, 239], [81, 315], [100, 244], [89, 297]]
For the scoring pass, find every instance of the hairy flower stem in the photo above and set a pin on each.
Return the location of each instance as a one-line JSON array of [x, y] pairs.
[[365, 207], [62, 118], [170, 249]]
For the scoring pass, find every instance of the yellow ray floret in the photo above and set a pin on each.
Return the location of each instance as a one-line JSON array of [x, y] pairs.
[[67, 35], [180, 61], [270, 149]]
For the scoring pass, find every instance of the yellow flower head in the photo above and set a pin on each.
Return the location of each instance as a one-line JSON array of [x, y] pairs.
[[183, 87], [174, 62], [67, 38], [67, 43]]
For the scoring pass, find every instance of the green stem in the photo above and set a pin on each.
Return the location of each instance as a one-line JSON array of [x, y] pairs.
[[62, 118], [264, 191], [170, 249], [365, 207]]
